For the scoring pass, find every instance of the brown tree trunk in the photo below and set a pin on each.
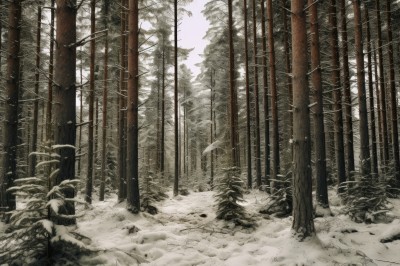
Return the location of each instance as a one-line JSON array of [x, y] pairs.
[[382, 88], [122, 190], [133, 197], [89, 178], [257, 111], [274, 94], [337, 96], [104, 125], [267, 165], [10, 131], [232, 89], [303, 224], [176, 177], [319, 127], [347, 93], [80, 114], [393, 95], [49, 133], [378, 101], [365, 160], [65, 97], [32, 161], [248, 114], [374, 154]]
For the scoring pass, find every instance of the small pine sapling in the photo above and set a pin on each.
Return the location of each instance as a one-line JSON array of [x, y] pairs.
[[229, 194], [33, 237], [279, 203], [365, 199], [152, 192]]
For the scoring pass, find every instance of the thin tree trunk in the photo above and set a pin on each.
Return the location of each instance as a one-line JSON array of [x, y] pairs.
[[267, 165], [133, 197], [374, 157], [347, 93], [211, 128], [122, 190], [10, 131], [162, 151], [49, 133], [274, 95], [176, 178], [319, 127], [365, 160], [257, 111], [65, 97], [89, 178], [378, 101], [393, 96], [382, 88], [104, 126], [337, 97], [80, 114], [303, 224], [248, 114], [32, 161]]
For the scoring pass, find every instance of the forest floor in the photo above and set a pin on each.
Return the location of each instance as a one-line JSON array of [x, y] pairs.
[[185, 232]]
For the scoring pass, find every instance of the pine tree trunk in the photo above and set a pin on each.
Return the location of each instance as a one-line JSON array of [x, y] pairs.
[[267, 164], [65, 97], [257, 111], [303, 224], [232, 89], [378, 101], [382, 87], [122, 190], [211, 128], [32, 159], [10, 132], [133, 197], [162, 148], [248, 114], [80, 114], [337, 96], [89, 178], [274, 95], [365, 160], [318, 110], [393, 96], [49, 111], [176, 177], [374, 155], [347, 93]]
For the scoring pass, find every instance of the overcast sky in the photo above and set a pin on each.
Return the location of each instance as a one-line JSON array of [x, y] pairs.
[[191, 32]]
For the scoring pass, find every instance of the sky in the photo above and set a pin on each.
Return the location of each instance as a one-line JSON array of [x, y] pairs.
[[191, 32]]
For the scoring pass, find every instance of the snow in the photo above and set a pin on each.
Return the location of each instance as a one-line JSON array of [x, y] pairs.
[[185, 232], [212, 146]]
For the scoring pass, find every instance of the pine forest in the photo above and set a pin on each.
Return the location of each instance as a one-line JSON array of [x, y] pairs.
[[199, 132]]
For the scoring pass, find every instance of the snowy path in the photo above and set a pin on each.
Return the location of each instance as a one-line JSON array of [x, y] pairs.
[[185, 232]]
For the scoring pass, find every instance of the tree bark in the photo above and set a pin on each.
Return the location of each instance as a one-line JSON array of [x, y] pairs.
[[176, 177], [318, 110], [89, 178], [303, 224], [49, 111], [133, 197], [337, 97], [10, 132], [65, 97]]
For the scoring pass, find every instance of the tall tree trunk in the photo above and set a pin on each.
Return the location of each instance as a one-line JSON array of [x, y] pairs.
[[104, 125], [257, 111], [319, 127], [232, 88], [65, 97], [303, 224], [382, 88], [49, 133], [211, 128], [162, 148], [267, 165], [274, 94], [374, 155], [32, 161], [347, 93], [133, 197], [248, 114], [89, 178], [176, 178], [378, 101], [365, 160], [10, 131], [393, 96], [122, 190], [337, 96], [80, 113]]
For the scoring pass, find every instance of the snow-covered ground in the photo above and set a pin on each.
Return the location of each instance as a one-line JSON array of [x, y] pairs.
[[185, 232]]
